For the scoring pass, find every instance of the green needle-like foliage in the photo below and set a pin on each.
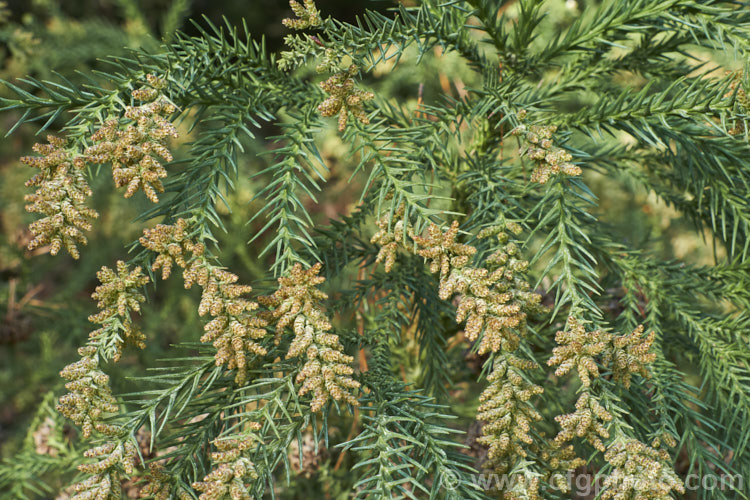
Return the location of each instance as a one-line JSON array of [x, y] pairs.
[[456, 218]]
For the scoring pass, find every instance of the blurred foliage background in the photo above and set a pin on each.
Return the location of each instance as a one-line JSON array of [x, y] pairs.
[[44, 301]]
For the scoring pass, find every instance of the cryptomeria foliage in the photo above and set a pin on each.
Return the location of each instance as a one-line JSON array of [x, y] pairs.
[[475, 225]]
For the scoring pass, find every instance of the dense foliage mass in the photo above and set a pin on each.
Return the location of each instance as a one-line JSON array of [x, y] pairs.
[[455, 294]]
